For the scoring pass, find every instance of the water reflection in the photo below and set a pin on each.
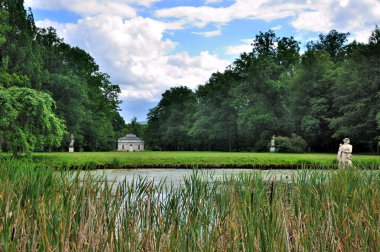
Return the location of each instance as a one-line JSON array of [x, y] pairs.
[[176, 176]]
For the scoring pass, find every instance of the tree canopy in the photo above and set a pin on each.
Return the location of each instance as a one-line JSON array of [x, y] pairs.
[[67, 79], [27, 120], [329, 91]]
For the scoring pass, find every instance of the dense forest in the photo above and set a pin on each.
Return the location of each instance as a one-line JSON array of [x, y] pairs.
[[309, 100], [50, 90]]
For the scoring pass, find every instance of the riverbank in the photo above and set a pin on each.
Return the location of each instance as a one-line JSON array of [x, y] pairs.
[[186, 160]]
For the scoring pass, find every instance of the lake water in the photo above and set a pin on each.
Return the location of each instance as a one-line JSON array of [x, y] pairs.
[[176, 176]]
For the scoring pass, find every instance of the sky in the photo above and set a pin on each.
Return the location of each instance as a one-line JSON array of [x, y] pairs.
[[149, 46]]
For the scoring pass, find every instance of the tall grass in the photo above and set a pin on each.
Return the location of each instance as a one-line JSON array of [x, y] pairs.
[[46, 210]]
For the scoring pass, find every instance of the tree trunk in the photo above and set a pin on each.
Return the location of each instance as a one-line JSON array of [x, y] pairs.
[[209, 144], [229, 138]]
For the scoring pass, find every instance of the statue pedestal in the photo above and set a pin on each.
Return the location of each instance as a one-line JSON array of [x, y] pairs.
[[272, 149], [71, 149]]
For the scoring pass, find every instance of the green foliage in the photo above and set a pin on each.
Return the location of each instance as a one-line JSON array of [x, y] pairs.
[[136, 128], [38, 59], [10, 80], [329, 92], [311, 98], [166, 121], [4, 26], [295, 144], [213, 125], [334, 43], [358, 87], [28, 121]]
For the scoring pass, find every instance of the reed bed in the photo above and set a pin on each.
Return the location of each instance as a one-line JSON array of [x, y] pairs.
[[47, 210]]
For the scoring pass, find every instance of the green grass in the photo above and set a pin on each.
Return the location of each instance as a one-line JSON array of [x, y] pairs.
[[176, 159], [44, 210]]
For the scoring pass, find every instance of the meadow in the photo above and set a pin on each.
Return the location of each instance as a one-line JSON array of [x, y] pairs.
[[43, 209], [159, 159]]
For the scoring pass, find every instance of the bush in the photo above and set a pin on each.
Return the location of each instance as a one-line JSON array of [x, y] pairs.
[[295, 144]]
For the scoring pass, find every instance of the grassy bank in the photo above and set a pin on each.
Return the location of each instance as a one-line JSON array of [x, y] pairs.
[[43, 210], [190, 159]]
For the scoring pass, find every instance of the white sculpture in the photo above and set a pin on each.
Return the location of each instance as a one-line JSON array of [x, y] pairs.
[[71, 146], [345, 153], [272, 146]]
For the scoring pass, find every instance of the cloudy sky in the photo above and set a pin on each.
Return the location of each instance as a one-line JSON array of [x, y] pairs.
[[148, 46]]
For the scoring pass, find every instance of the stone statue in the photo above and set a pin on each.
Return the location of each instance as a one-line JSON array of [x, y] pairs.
[[272, 146], [71, 146], [345, 153]]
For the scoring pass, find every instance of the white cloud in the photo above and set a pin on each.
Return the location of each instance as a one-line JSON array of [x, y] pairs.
[[240, 9], [316, 21], [239, 49], [357, 17], [55, 4], [276, 28], [344, 3], [362, 35], [213, 1], [209, 34], [136, 55], [90, 7], [145, 3], [133, 51]]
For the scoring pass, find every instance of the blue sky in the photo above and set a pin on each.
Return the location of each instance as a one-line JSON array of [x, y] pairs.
[[148, 46]]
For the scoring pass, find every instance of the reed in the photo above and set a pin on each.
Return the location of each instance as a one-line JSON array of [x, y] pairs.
[[44, 210]]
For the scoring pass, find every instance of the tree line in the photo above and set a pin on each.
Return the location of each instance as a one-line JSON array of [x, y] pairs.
[[318, 97], [49, 90]]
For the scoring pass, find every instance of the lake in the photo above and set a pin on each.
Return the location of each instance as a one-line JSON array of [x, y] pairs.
[[176, 176]]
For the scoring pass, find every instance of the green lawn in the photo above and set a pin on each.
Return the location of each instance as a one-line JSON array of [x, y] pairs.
[[139, 159]]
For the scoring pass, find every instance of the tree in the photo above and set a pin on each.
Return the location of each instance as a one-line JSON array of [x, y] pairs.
[[357, 96], [333, 43], [264, 44], [21, 50], [135, 127], [165, 129], [37, 58], [4, 28], [330, 91], [261, 95], [214, 123], [27, 120], [312, 98]]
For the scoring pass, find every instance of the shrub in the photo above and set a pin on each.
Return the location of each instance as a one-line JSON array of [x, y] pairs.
[[115, 163], [295, 144]]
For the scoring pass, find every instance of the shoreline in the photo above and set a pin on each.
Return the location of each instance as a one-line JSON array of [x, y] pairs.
[[214, 166]]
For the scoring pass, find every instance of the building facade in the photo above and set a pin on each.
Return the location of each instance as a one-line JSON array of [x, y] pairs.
[[130, 142]]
